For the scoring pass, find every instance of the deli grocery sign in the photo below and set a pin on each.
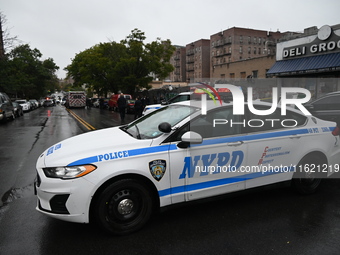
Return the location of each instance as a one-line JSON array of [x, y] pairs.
[[325, 42]]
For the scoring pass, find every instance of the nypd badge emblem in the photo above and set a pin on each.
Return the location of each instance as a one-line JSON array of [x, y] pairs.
[[157, 168]]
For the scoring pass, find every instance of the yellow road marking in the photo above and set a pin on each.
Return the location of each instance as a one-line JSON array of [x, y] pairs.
[[83, 122]]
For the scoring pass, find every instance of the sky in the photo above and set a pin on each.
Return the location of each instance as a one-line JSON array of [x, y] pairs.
[[61, 29]]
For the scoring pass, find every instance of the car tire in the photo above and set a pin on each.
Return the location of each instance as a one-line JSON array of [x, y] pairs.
[[123, 207], [307, 182]]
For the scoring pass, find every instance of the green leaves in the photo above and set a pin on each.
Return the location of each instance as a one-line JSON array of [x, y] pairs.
[[24, 74], [126, 66]]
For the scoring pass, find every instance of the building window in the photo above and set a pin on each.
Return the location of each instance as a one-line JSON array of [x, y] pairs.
[[260, 51], [255, 73], [249, 50], [249, 39], [229, 39], [254, 50], [241, 39], [232, 75], [241, 49], [243, 75], [229, 50], [255, 40]]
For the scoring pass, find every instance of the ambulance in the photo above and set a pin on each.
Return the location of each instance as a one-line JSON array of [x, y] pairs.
[[177, 154], [76, 99]]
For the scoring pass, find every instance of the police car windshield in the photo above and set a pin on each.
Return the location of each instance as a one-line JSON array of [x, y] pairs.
[[147, 126]]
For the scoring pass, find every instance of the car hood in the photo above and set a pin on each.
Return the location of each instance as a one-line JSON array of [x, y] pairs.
[[90, 148]]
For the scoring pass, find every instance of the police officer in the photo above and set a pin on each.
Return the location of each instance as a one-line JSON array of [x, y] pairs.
[[121, 102], [138, 108]]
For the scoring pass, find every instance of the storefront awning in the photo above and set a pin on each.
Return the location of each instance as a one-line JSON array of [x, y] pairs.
[[314, 64]]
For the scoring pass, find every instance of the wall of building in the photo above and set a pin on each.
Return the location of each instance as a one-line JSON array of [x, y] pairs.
[[255, 67]]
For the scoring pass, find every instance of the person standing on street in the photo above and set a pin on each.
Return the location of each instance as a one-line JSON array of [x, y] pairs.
[[121, 102], [138, 108]]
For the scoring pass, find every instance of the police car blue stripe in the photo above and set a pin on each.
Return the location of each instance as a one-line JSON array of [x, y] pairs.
[[149, 150], [134, 152], [155, 107], [84, 161], [220, 182], [163, 148]]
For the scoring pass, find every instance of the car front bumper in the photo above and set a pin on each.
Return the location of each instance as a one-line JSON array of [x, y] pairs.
[[68, 200]]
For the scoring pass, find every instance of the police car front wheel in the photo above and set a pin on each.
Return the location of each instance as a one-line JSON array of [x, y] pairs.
[[123, 207]]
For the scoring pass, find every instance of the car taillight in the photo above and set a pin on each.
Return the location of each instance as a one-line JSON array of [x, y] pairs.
[[336, 131]]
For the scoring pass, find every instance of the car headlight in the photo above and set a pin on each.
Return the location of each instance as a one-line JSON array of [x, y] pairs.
[[68, 172]]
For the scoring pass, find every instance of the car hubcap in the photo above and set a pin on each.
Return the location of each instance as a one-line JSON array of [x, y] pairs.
[[125, 206]]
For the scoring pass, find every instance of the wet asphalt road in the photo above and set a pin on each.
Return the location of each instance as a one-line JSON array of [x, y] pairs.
[[266, 221]]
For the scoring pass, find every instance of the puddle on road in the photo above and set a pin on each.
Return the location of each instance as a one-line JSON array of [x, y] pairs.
[[12, 195], [16, 193]]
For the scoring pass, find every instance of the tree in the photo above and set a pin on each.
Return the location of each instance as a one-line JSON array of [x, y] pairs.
[[144, 61], [126, 66], [24, 74], [95, 67]]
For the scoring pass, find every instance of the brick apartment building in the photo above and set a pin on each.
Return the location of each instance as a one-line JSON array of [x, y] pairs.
[[178, 60], [241, 53], [232, 53], [197, 60]]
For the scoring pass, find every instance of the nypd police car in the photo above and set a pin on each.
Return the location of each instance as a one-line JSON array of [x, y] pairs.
[[184, 96], [178, 154]]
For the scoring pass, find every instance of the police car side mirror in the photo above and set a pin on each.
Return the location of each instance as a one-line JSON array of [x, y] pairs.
[[164, 103], [164, 127], [188, 138]]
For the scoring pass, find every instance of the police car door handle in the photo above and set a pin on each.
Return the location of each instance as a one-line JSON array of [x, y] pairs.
[[238, 143]]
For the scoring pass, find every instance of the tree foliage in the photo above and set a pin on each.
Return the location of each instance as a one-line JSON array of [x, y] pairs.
[[23, 73], [126, 66]]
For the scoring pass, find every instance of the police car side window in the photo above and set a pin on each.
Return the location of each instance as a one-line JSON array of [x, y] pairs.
[[204, 125], [216, 123]]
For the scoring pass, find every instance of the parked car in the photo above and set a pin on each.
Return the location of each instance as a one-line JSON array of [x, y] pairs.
[[18, 111], [41, 101], [48, 103], [326, 107], [6, 108], [34, 103], [106, 103], [26, 106], [130, 106], [95, 102], [112, 104]]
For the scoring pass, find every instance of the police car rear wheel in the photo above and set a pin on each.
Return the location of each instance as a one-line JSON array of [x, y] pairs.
[[306, 181], [123, 207]]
